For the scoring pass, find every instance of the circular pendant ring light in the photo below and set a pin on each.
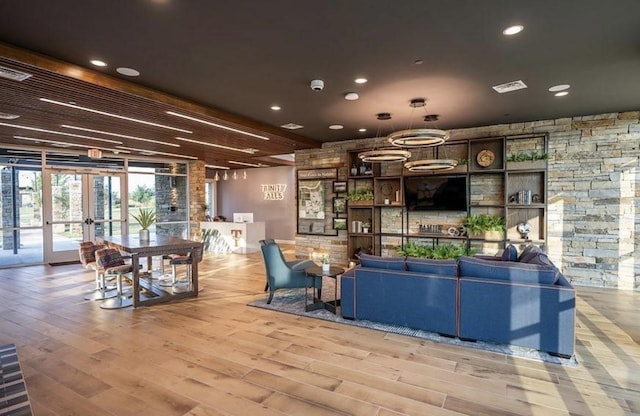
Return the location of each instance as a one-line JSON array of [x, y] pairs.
[[384, 155], [418, 138], [431, 165]]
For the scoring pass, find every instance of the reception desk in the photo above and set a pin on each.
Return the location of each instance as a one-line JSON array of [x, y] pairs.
[[241, 237]]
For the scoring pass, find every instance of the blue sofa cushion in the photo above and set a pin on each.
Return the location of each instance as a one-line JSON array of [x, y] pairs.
[[440, 267], [510, 253], [507, 271], [377, 262]]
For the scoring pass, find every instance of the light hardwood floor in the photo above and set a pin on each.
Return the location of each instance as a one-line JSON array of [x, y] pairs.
[[216, 356]]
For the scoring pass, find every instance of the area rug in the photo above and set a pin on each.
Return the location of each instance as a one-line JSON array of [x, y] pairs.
[[293, 301], [14, 400]]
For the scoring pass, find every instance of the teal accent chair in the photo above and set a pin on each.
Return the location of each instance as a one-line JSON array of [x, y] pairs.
[[282, 274]]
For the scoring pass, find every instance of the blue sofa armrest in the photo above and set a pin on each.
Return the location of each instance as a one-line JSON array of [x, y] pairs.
[[531, 315], [347, 294]]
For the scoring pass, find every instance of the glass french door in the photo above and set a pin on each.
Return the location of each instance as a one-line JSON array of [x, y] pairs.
[[80, 206]]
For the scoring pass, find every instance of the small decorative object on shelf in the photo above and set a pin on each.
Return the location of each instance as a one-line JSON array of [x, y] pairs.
[[354, 170], [485, 158], [524, 228], [363, 169], [365, 226]]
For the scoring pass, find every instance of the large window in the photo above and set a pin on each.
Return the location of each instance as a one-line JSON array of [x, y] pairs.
[[20, 208], [163, 188]]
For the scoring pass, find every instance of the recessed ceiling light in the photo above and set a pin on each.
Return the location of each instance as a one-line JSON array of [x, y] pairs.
[[362, 130], [513, 30], [276, 108], [336, 126], [129, 72], [561, 93], [98, 62], [360, 80], [418, 62], [351, 96], [559, 87]]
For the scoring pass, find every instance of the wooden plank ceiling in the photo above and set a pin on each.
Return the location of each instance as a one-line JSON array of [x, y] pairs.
[[61, 102]]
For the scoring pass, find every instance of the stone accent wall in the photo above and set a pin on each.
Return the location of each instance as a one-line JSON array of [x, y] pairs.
[[593, 218], [197, 177]]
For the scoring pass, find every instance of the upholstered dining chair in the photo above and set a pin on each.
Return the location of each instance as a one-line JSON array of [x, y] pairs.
[[112, 263], [175, 260], [87, 251], [282, 274]]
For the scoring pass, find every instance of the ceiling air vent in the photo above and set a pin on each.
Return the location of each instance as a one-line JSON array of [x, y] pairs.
[[510, 86], [13, 74], [291, 126]]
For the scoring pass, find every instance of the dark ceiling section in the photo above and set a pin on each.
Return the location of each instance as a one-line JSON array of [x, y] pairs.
[[231, 61]]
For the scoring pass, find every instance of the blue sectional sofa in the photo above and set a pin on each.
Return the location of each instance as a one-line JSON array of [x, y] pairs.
[[515, 300]]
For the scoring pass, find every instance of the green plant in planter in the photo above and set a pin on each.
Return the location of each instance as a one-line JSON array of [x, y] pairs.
[[360, 195], [462, 162], [477, 224], [439, 252], [145, 217], [522, 157], [415, 250]]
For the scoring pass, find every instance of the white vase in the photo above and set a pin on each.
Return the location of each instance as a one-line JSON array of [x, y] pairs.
[[144, 235], [325, 267]]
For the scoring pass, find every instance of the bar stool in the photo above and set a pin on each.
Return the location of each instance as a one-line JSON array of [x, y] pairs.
[[87, 251], [181, 259], [112, 263]]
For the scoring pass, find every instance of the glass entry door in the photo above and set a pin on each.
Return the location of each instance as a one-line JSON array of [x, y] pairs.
[[81, 205]]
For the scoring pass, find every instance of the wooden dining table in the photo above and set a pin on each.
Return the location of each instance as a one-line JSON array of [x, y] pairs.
[[157, 245]]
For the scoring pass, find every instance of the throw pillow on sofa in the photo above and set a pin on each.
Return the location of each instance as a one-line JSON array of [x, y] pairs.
[[528, 252], [441, 267], [377, 262], [510, 253], [507, 271]]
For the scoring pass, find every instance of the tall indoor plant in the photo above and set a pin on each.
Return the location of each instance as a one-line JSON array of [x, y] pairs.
[[146, 218]]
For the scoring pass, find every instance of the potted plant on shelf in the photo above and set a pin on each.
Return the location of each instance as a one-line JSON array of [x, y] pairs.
[[360, 197], [530, 160], [366, 225], [490, 227], [146, 218]]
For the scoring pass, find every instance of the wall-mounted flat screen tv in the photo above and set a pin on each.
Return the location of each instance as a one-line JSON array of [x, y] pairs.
[[444, 193]]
